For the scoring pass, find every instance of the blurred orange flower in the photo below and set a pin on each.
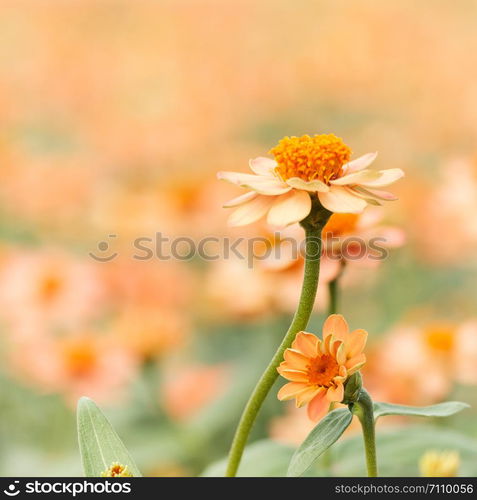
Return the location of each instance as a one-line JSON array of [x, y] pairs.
[[188, 390], [318, 369], [77, 364], [447, 352], [151, 332], [50, 286]]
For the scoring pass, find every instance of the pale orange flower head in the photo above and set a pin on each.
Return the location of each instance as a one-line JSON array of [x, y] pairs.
[[317, 369], [307, 167]]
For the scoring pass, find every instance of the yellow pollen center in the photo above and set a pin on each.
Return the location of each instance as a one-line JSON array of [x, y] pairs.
[[322, 370], [320, 157], [117, 470], [340, 225]]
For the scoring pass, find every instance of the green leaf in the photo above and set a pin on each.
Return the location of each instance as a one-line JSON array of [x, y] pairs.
[[440, 410], [99, 444], [263, 458], [327, 432]]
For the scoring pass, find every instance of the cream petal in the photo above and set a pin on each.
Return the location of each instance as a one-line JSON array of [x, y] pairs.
[[289, 208], [311, 186], [318, 406], [259, 183], [335, 394], [240, 200], [386, 178], [337, 326], [250, 211], [262, 165], [360, 163], [369, 199], [237, 178], [380, 195], [341, 200], [356, 178]]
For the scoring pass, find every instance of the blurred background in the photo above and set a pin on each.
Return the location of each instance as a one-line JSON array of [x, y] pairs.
[[115, 118]]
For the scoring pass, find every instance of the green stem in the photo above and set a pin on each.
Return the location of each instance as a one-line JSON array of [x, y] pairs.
[[333, 296], [313, 226], [333, 290], [363, 408]]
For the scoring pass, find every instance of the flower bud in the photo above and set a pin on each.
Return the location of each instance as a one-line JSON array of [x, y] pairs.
[[352, 388]]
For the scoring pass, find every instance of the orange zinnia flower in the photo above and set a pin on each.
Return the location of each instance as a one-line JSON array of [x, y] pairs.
[[317, 369]]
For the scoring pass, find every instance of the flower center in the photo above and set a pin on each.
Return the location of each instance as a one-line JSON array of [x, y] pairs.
[[117, 470], [49, 288], [340, 224], [320, 157], [322, 370], [80, 358]]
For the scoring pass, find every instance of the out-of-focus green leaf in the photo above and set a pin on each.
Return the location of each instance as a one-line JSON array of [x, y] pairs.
[[261, 459], [439, 410], [99, 444], [327, 432], [400, 448]]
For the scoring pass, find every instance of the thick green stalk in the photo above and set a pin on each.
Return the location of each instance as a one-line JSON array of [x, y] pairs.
[[313, 226], [363, 408]]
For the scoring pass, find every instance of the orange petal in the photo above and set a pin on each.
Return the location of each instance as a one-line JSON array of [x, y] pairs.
[[306, 343], [335, 325], [335, 393], [318, 406], [326, 344], [341, 354], [306, 396], [294, 375], [296, 359], [334, 346], [354, 364], [284, 365], [355, 342], [290, 390]]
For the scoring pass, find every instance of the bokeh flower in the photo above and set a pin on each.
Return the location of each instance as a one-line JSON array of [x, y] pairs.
[[75, 364], [189, 389], [317, 369], [303, 167], [439, 464], [446, 352]]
